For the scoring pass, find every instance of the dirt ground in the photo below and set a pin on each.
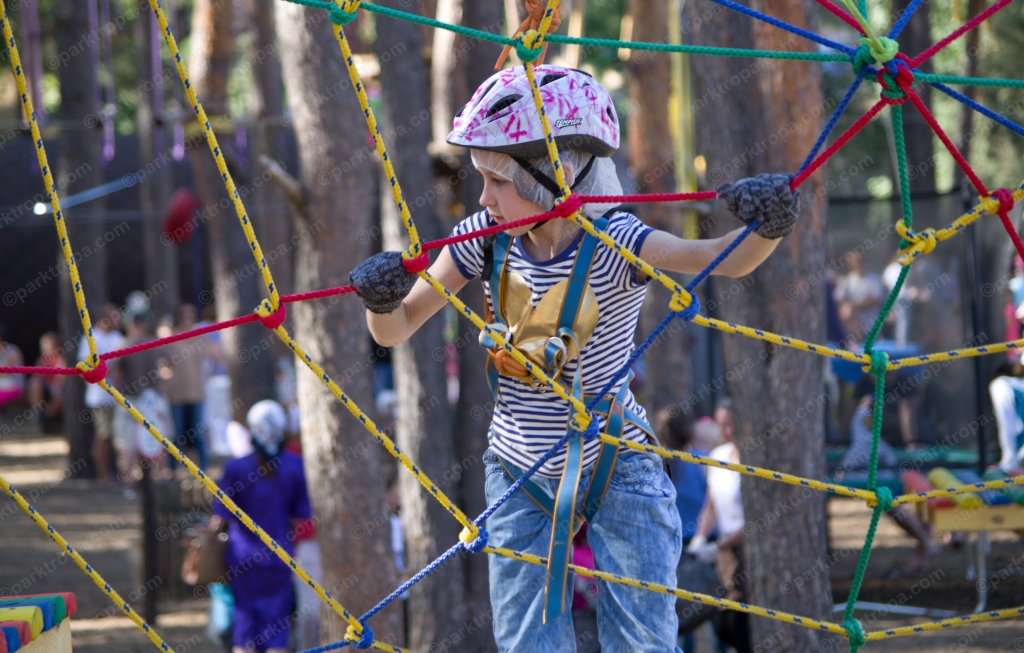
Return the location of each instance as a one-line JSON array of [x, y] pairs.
[[103, 524]]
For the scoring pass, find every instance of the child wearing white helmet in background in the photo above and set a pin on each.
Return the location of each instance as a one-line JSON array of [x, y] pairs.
[[571, 306], [270, 486]]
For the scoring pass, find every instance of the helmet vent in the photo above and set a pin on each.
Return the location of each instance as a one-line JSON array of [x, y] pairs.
[[552, 78], [503, 103]]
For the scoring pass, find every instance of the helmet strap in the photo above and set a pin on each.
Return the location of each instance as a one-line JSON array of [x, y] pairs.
[[548, 182]]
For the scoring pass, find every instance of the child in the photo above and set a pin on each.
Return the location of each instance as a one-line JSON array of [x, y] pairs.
[[526, 274]]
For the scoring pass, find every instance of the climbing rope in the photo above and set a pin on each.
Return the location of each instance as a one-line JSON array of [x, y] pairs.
[[877, 56]]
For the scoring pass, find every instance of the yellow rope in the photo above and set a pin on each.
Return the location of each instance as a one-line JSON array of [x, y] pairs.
[[919, 497], [749, 470], [924, 242], [954, 354], [415, 244], [51, 188], [807, 622], [379, 435], [991, 615], [211, 140], [67, 549]]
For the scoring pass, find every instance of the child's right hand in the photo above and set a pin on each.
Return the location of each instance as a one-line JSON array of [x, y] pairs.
[[382, 281]]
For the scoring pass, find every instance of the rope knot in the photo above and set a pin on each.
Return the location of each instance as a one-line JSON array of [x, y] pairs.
[[918, 242], [1005, 198], [861, 58], [362, 639], [879, 362], [474, 542], [93, 374], [882, 49], [415, 264], [591, 431], [854, 633], [344, 14], [883, 498], [891, 91], [269, 317], [527, 47], [569, 205], [687, 307], [535, 10]]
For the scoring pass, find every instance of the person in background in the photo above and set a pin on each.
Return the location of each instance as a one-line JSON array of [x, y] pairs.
[[723, 510], [141, 377], [859, 295], [899, 414], [101, 404], [184, 385], [307, 553], [854, 465], [12, 386], [1007, 392], [270, 486], [46, 391], [674, 429]]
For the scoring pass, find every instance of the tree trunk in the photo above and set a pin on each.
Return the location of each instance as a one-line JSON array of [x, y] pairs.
[[155, 190], [473, 411], [78, 168], [424, 428], [271, 211], [669, 375], [777, 392], [916, 37], [236, 277], [344, 465], [442, 68]]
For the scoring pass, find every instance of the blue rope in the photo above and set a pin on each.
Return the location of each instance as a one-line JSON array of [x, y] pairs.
[[904, 19], [404, 587], [1006, 122], [721, 257], [781, 24], [831, 124]]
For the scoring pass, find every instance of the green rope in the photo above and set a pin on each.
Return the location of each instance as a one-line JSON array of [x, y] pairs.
[[879, 364], [969, 81], [907, 212]]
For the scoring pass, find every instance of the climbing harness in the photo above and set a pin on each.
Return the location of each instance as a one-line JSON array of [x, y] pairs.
[[569, 310]]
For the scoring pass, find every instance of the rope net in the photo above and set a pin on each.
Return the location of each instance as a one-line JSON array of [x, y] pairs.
[[877, 56]]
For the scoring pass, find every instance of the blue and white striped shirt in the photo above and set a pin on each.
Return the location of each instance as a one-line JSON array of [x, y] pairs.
[[528, 421]]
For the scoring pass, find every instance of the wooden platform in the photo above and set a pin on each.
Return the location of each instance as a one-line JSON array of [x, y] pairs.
[[1008, 517]]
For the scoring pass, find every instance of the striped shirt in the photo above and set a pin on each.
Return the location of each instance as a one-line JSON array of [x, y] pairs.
[[528, 421]]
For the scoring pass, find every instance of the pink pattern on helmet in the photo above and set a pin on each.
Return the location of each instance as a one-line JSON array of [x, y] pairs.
[[575, 105]]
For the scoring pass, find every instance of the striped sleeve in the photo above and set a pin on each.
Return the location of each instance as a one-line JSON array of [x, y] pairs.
[[628, 230], [469, 254]]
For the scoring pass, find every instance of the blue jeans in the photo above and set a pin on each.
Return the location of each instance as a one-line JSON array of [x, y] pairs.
[[636, 533]]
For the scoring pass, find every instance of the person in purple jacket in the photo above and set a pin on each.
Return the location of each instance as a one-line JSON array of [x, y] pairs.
[[270, 486]]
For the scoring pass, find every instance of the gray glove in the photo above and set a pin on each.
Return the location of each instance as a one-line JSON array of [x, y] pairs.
[[382, 282], [767, 198]]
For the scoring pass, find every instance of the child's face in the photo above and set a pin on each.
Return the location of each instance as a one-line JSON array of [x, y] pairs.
[[504, 204]]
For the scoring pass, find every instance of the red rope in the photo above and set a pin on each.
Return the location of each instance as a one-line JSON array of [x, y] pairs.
[[548, 215], [184, 335], [1004, 216], [974, 22], [840, 142], [316, 294], [934, 124], [841, 15], [63, 371]]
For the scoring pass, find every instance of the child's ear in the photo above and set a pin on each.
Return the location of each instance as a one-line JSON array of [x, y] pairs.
[[570, 173]]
